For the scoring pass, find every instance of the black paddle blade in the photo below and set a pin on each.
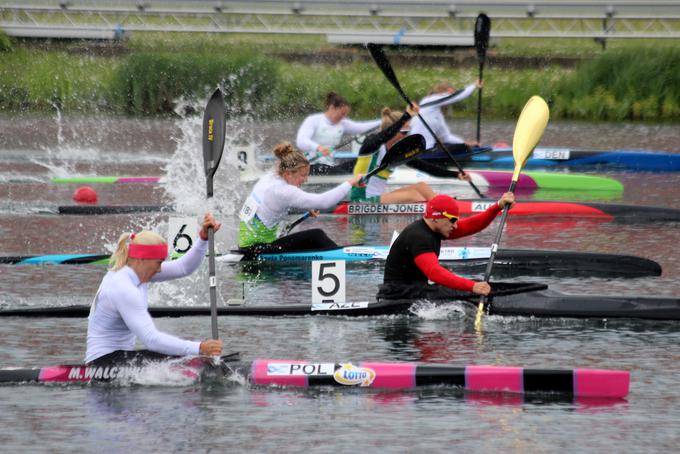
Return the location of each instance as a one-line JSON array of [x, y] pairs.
[[214, 129], [403, 151], [482, 31], [384, 64]]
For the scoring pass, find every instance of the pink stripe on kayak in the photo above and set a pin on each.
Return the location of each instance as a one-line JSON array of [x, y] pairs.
[[138, 180], [392, 375], [490, 378], [264, 372], [504, 178], [56, 374], [601, 383]]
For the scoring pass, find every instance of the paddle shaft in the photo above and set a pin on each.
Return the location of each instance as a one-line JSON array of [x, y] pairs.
[[353, 138], [347, 142], [497, 240], [479, 100], [295, 223], [211, 268]]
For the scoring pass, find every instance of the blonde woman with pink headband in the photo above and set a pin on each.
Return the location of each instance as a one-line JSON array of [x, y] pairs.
[[120, 310]]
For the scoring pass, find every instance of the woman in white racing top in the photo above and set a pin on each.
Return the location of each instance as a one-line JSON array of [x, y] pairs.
[[273, 195], [120, 311], [319, 133], [393, 128], [442, 95]]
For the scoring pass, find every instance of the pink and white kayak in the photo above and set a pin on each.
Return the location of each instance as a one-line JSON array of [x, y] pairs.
[[296, 373]]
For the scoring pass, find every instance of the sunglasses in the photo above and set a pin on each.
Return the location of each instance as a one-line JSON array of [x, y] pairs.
[[452, 218]]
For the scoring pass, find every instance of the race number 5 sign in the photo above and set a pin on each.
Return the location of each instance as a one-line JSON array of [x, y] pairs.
[[328, 281]]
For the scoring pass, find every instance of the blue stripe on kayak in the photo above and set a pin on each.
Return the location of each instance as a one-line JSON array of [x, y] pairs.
[[334, 254], [54, 258], [629, 160]]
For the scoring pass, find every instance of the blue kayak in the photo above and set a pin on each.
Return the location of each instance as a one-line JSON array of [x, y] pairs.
[[466, 260], [561, 157], [629, 160]]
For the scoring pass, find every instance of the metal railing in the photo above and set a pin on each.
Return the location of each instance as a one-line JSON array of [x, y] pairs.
[[345, 21]]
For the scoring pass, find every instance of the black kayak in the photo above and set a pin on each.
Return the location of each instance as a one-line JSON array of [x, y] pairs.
[[511, 299], [112, 209]]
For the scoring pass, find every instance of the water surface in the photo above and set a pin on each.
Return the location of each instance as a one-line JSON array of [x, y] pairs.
[[239, 417]]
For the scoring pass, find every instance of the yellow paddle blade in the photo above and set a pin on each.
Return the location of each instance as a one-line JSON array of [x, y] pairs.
[[529, 130]]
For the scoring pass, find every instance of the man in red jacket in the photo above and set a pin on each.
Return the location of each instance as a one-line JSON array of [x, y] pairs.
[[413, 259]]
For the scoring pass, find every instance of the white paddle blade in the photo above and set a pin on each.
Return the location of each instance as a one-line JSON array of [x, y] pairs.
[[528, 132]]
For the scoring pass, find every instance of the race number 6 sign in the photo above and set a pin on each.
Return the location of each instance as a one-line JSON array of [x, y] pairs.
[[182, 234], [328, 281]]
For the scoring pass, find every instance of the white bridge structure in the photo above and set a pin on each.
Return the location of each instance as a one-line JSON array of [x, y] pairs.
[[398, 22]]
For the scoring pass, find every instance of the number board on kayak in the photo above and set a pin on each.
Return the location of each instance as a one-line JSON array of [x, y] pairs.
[[182, 234], [376, 252], [339, 306], [481, 206], [384, 208], [463, 253], [555, 154]]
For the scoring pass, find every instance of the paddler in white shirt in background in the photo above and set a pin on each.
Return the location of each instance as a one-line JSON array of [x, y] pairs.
[[271, 198], [442, 95], [319, 133], [120, 310]]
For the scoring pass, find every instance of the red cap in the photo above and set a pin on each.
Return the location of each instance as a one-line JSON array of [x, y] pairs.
[[441, 206], [85, 194]]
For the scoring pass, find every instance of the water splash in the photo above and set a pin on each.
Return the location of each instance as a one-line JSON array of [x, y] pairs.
[[185, 180], [428, 310]]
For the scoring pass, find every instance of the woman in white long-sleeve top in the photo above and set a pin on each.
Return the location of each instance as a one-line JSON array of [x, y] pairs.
[[319, 133], [120, 310], [274, 194], [442, 95]]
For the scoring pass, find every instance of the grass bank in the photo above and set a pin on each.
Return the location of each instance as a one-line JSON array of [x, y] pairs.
[[148, 76]]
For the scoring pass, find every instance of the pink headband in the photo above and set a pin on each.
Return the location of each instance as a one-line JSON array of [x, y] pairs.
[[148, 251]]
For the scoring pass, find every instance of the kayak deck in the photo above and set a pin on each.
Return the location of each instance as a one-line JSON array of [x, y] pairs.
[[381, 375]]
